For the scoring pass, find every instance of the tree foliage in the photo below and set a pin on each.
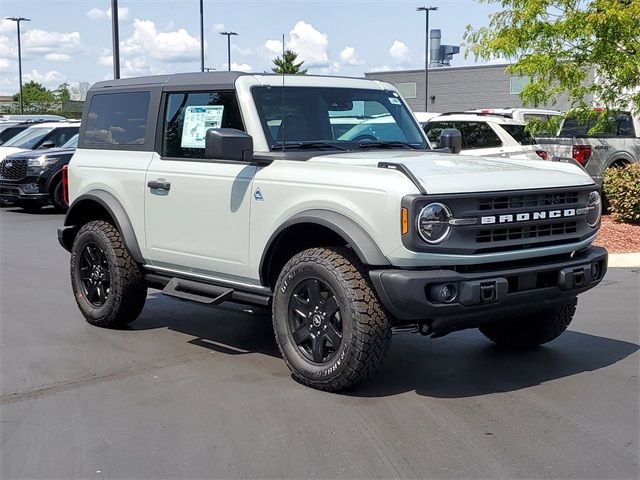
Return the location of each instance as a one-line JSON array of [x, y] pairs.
[[587, 50], [39, 99], [287, 64]]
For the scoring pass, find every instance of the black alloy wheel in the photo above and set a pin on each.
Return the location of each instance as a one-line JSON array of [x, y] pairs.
[[95, 277], [314, 320]]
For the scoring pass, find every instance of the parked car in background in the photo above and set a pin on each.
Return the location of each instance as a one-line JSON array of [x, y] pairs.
[[524, 115], [597, 152], [33, 179], [487, 135], [424, 117], [31, 118], [41, 136]]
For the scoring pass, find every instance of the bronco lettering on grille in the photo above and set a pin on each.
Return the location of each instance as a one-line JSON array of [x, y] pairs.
[[526, 216]]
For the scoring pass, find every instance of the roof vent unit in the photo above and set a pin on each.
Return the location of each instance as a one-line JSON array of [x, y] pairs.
[[441, 55]]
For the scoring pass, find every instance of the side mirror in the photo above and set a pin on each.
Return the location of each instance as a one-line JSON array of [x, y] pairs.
[[228, 144], [451, 138], [47, 144]]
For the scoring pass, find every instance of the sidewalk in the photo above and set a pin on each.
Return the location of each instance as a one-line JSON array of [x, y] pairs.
[[624, 260]]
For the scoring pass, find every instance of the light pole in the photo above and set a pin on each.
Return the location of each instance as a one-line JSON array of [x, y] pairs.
[[228, 34], [115, 38], [201, 36], [426, 10], [18, 20]]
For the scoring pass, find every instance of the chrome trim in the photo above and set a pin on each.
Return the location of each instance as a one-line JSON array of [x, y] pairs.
[[463, 221], [216, 280]]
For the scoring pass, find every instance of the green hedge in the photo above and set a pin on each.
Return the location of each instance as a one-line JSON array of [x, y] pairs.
[[622, 189]]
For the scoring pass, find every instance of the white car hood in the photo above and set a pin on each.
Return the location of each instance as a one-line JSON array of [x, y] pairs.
[[447, 173], [4, 151]]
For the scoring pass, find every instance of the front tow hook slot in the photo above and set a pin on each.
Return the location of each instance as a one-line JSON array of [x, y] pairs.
[[575, 277], [488, 293], [479, 292]]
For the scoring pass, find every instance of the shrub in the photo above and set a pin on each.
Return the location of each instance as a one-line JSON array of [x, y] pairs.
[[622, 189]]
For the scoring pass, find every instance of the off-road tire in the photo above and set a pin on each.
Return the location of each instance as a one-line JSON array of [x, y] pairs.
[[57, 197], [127, 292], [366, 330], [530, 331]]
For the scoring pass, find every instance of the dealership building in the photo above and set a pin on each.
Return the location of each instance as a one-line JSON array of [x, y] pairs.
[[453, 89]]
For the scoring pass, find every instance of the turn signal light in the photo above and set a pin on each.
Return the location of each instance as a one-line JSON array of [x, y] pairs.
[[405, 221]]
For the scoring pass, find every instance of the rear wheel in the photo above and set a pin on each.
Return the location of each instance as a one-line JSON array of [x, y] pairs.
[[57, 197], [107, 282], [329, 325], [529, 331]]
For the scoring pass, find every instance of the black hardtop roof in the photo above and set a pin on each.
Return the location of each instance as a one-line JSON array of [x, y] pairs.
[[175, 80]]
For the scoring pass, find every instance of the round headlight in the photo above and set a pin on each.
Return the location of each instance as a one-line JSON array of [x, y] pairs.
[[595, 209], [433, 223]]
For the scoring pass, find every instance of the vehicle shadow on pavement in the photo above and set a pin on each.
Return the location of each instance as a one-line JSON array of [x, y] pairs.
[[465, 364], [43, 211]]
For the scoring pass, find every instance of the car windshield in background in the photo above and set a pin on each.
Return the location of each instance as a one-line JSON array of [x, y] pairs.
[[335, 118], [519, 133], [29, 138], [72, 143]]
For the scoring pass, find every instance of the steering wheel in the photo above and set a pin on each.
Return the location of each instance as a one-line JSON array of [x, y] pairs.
[[365, 136]]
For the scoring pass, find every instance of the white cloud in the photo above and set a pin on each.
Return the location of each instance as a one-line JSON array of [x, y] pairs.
[[7, 48], [97, 14], [106, 58], [310, 44], [5, 63], [273, 48], [219, 27], [239, 67], [348, 56], [57, 57], [173, 46], [42, 42], [400, 52], [135, 67], [382, 68], [241, 51], [7, 26], [49, 79]]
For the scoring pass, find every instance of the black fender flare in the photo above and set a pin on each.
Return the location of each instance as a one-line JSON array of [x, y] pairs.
[[116, 211], [360, 241]]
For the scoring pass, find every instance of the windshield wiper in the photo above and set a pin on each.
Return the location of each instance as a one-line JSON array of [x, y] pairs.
[[307, 145], [389, 144]]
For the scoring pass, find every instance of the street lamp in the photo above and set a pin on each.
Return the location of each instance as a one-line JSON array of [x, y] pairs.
[[228, 34], [115, 39], [201, 36], [18, 20], [426, 10]]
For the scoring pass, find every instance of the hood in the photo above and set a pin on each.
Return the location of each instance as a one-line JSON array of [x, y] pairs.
[[442, 173], [51, 152], [4, 151]]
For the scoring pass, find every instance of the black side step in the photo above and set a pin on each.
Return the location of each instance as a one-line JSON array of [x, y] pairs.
[[197, 292]]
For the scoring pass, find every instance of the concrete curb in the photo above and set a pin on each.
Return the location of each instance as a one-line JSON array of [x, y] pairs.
[[624, 260]]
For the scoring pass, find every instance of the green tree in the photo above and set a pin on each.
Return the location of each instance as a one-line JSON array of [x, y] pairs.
[[62, 93], [287, 64], [36, 97], [584, 49]]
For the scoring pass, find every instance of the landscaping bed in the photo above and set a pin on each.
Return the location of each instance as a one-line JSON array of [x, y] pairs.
[[618, 237]]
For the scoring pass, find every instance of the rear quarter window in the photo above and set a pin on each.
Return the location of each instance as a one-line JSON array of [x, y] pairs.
[[117, 119]]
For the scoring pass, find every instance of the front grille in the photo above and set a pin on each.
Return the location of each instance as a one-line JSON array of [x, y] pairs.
[[528, 232], [528, 201], [13, 169]]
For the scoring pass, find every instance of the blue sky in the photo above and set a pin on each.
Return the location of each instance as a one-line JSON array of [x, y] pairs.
[[70, 40]]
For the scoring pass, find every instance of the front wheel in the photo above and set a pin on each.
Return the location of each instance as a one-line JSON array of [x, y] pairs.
[[329, 326], [529, 331], [107, 282]]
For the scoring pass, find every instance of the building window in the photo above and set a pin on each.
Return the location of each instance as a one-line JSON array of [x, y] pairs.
[[407, 89], [516, 84]]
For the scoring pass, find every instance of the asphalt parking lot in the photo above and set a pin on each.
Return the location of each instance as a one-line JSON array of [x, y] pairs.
[[200, 392]]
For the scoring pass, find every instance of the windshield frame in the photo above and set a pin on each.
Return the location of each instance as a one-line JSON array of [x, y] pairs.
[[341, 145]]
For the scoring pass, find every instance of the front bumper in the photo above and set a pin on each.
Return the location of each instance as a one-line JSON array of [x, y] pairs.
[[18, 193], [486, 292]]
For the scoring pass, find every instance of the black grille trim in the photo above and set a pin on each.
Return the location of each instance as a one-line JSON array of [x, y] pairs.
[[530, 231], [536, 200], [16, 171]]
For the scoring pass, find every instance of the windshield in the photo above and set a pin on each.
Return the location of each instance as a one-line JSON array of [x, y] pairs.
[[335, 118], [29, 138], [72, 143], [519, 134], [620, 125]]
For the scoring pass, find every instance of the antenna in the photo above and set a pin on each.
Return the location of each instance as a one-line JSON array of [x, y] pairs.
[[282, 126]]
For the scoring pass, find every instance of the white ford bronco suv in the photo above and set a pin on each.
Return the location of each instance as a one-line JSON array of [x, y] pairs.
[[235, 187]]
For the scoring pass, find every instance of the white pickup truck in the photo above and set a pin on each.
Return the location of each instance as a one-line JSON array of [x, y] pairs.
[[225, 186], [597, 153]]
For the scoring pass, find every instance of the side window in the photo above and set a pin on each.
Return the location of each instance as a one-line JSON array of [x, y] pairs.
[[433, 131], [188, 116], [478, 135], [625, 126], [60, 136], [117, 119]]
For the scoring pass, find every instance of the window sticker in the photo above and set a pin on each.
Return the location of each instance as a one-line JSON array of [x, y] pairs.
[[393, 100], [197, 120]]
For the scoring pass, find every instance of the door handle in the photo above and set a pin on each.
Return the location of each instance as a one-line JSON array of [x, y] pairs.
[[159, 185]]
